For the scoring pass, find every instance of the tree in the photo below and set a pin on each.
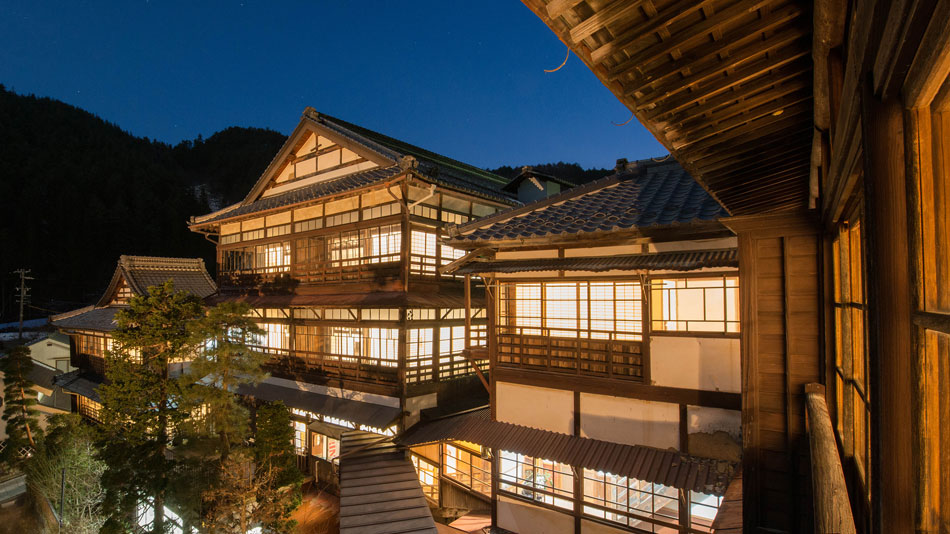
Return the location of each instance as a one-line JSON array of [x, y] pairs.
[[70, 445], [141, 403], [225, 363], [19, 397], [276, 463]]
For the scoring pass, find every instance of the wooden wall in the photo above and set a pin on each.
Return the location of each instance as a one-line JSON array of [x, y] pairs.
[[780, 322]]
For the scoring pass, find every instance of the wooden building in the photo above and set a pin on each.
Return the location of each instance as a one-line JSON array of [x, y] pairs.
[[614, 347], [90, 328], [337, 249], [822, 129]]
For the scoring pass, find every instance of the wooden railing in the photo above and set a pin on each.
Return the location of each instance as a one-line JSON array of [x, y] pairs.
[[832, 507], [538, 350], [354, 270], [335, 366]]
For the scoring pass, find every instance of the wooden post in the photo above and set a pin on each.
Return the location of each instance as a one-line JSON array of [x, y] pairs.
[[889, 317], [468, 311]]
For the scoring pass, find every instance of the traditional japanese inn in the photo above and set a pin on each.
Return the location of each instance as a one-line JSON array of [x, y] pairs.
[[748, 334]]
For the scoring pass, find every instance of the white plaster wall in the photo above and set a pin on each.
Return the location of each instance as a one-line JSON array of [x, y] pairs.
[[526, 254], [703, 419], [705, 363], [524, 518], [536, 407], [591, 527], [630, 421], [48, 351], [618, 250]]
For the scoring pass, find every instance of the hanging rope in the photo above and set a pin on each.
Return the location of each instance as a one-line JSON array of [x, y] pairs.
[[562, 63], [664, 158], [626, 122]]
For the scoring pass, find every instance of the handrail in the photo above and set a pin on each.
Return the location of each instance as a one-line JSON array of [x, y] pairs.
[[832, 506]]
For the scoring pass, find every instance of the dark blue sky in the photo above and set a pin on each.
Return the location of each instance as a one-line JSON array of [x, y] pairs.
[[462, 78]]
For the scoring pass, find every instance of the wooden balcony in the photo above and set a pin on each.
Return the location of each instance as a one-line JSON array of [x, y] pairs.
[[536, 349], [321, 365]]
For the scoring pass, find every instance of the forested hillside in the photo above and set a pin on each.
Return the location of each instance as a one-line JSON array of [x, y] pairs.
[[76, 192]]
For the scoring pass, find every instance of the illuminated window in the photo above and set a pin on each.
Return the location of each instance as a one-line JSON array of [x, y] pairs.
[[594, 310], [422, 252], [466, 467], [696, 304], [274, 339], [300, 438], [419, 355], [89, 408], [618, 499], [537, 479], [428, 476], [382, 244], [324, 447], [852, 391], [702, 510], [267, 258], [344, 249]]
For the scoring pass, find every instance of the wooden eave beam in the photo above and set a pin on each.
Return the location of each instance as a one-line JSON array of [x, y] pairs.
[[743, 74], [752, 132], [600, 19], [791, 105], [727, 46], [696, 123], [556, 8], [695, 35], [672, 13], [740, 57], [931, 66], [743, 159], [737, 95]]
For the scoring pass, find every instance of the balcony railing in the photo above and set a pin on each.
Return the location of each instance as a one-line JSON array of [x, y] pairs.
[[537, 349], [832, 506], [324, 364]]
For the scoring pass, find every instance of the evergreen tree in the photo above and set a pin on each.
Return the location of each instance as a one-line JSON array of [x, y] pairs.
[[70, 444], [19, 397], [275, 463], [141, 404], [225, 363]]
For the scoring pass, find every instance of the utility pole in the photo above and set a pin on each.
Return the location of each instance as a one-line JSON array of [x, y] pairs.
[[24, 294]]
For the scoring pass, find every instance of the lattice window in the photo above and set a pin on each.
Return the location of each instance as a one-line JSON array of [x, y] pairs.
[[695, 304], [628, 501], [466, 467], [537, 479]]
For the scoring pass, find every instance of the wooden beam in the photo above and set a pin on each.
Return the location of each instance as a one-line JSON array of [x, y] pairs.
[[729, 42], [556, 8], [738, 57], [792, 104], [691, 36], [746, 73], [931, 65], [741, 107], [602, 17], [672, 13]]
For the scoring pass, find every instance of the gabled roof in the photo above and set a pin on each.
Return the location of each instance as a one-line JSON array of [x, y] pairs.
[[138, 273], [644, 194], [527, 173], [391, 155]]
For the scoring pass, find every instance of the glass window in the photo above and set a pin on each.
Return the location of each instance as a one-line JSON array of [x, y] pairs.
[[467, 468], [695, 304], [300, 438], [537, 479], [702, 510], [631, 502], [323, 446], [428, 476], [419, 355]]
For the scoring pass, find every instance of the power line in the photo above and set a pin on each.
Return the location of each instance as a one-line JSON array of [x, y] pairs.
[[24, 297]]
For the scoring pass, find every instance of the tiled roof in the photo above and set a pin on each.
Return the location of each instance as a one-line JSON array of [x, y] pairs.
[[79, 383], [364, 413], [667, 467], [188, 274], [646, 194], [527, 172], [311, 192], [379, 489], [139, 272], [90, 318], [666, 261]]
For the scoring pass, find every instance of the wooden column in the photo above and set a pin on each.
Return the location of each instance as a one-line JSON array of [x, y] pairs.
[[889, 327], [780, 347]]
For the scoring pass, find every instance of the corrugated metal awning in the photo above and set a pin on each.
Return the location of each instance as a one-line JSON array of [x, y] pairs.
[[379, 489], [364, 413], [662, 261], [667, 467]]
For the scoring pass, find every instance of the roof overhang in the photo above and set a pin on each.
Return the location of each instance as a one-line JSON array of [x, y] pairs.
[[725, 87]]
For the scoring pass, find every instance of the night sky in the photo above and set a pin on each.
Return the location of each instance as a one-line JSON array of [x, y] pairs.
[[462, 78]]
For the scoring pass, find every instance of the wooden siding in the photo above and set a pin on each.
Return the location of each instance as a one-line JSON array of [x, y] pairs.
[[778, 266]]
